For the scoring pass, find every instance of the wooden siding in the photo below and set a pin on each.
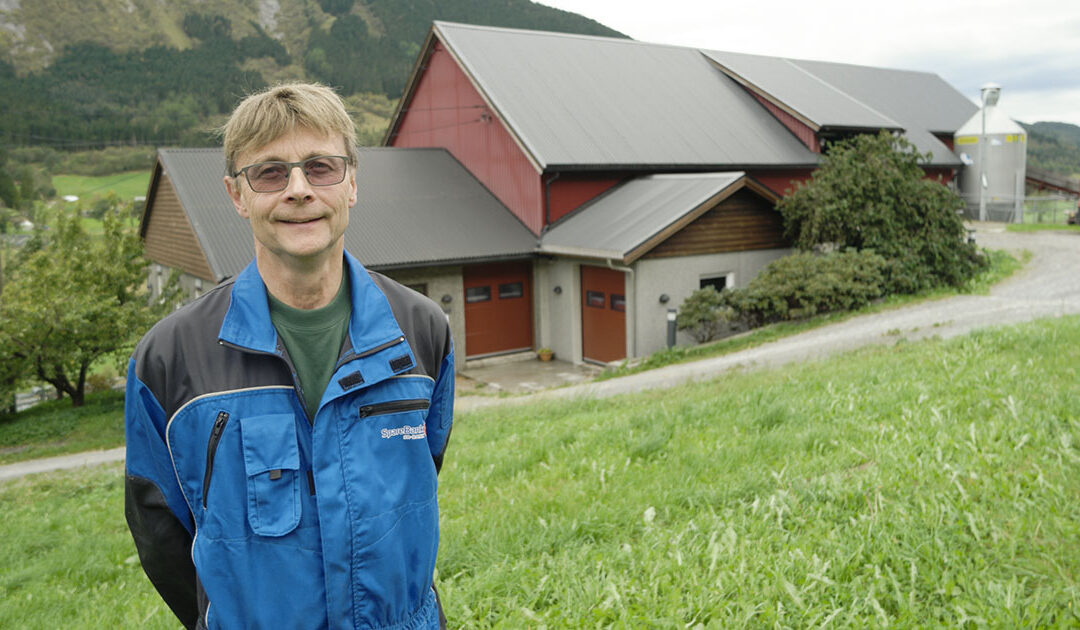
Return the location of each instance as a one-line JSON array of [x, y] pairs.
[[170, 240], [741, 222], [447, 111]]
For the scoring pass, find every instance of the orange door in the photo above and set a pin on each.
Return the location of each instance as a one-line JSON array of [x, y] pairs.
[[498, 308], [603, 314]]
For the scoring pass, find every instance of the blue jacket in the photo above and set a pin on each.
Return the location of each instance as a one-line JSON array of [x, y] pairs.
[[248, 514]]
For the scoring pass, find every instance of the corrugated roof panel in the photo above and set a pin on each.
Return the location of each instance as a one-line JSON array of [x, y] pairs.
[[631, 214], [420, 206], [815, 99], [591, 101], [920, 100], [414, 207]]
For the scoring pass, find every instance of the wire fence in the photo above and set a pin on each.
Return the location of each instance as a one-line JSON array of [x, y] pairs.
[[1049, 209]]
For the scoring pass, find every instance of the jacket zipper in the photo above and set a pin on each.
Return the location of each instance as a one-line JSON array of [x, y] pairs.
[[351, 356], [395, 406], [341, 361], [211, 450]]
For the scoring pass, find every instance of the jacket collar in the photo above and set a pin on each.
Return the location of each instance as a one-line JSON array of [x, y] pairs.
[[247, 322]]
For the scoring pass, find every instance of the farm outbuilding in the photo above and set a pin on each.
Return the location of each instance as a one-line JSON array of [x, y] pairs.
[[571, 189]]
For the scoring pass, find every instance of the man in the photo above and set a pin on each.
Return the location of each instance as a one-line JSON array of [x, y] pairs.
[[284, 431]]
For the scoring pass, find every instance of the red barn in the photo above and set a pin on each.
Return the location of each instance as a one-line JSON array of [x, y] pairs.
[[645, 171]]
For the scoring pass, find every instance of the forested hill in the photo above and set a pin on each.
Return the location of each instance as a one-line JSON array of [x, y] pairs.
[[1055, 147], [147, 71]]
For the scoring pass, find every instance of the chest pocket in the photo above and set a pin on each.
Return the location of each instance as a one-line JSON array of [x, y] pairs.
[[272, 466]]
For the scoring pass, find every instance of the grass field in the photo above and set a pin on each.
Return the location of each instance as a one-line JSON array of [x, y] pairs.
[[929, 484], [126, 185], [55, 428]]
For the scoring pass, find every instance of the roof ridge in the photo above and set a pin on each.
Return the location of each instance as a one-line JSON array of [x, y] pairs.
[[527, 31]]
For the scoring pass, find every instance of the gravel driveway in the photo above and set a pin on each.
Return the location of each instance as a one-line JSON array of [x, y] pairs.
[[1048, 286]]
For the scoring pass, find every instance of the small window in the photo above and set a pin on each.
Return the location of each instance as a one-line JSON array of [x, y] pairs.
[[420, 288], [477, 294], [618, 303], [595, 299], [716, 282], [511, 290]]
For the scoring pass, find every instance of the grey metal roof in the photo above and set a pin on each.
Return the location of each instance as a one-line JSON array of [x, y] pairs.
[[415, 207], [584, 101], [815, 99], [625, 218], [578, 101], [843, 95]]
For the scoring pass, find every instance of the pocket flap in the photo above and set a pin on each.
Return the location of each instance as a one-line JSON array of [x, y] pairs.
[[269, 443]]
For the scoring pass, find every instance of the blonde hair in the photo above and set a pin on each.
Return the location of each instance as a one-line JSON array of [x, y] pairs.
[[265, 116]]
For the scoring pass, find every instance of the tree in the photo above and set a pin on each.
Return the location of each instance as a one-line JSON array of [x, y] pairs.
[[72, 300], [871, 193]]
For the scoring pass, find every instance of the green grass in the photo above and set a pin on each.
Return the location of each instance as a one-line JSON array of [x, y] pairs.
[[1002, 265], [68, 561], [1048, 210], [56, 428], [1039, 227], [922, 485], [126, 185]]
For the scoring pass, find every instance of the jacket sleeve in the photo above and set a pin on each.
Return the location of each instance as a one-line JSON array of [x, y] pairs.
[[441, 412], [154, 505]]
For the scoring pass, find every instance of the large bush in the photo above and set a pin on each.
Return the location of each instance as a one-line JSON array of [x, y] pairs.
[[703, 315], [805, 284], [871, 193]]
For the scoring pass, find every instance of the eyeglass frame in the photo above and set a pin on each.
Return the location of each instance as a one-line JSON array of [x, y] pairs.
[[288, 173]]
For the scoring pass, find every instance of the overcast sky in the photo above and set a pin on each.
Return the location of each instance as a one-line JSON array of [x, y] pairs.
[[1030, 47]]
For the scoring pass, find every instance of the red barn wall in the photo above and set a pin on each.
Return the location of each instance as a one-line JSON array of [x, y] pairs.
[[782, 182], [566, 194], [805, 134], [447, 111]]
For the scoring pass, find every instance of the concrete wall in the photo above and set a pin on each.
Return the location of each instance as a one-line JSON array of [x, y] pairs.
[[558, 314], [441, 281], [678, 277]]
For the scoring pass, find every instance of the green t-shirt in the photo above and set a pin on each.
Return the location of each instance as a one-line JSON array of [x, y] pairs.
[[313, 339]]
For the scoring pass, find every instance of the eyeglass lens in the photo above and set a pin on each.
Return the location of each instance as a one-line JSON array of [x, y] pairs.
[[325, 170]]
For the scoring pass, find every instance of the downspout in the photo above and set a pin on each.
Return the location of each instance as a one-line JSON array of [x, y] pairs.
[[631, 323]]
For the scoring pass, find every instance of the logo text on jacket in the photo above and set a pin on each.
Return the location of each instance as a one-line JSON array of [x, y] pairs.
[[406, 432]]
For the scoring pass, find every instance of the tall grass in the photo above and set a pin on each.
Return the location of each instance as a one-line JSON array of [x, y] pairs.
[[924, 485], [930, 484]]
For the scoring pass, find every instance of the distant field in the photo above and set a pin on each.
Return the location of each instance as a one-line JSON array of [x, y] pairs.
[[126, 185]]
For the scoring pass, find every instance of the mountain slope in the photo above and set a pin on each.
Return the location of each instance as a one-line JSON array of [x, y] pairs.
[[155, 72]]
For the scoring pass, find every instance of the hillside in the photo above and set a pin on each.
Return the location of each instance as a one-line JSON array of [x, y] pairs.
[[1055, 147], [145, 71]]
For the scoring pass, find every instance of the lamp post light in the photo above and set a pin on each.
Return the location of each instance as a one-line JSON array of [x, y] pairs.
[[989, 94]]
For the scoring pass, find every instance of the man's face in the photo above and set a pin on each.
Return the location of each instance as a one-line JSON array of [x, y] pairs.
[[302, 223]]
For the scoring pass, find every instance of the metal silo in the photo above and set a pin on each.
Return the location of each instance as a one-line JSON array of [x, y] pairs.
[[993, 148]]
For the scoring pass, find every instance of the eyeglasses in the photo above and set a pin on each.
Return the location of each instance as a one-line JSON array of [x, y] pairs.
[[322, 170]]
